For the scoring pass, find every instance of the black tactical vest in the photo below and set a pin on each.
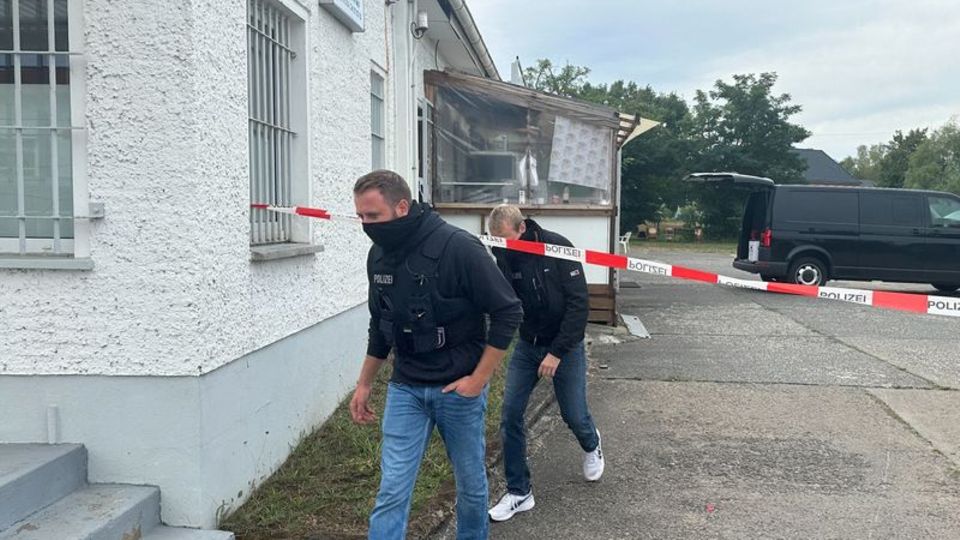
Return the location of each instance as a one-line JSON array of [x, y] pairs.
[[414, 317]]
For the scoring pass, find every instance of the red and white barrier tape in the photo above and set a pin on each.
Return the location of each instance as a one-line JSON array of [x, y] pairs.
[[916, 303], [306, 212]]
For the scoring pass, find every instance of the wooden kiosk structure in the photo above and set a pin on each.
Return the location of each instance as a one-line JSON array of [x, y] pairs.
[[487, 142]]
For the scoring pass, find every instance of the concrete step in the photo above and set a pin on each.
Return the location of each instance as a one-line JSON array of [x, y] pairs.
[[175, 533], [34, 476], [95, 512]]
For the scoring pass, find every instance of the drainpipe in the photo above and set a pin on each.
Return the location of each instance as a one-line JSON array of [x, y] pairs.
[[462, 13], [412, 99]]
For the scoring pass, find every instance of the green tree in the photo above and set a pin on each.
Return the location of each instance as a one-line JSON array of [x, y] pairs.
[[740, 126], [896, 160], [868, 163], [935, 164], [743, 127], [566, 81]]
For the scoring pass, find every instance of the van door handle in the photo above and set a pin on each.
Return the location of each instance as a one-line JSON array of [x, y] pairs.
[[916, 232]]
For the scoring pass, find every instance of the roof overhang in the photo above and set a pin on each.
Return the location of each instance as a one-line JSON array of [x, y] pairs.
[[453, 28], [628, 126]]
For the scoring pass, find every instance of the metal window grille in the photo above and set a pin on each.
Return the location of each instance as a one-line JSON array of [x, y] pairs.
[[269, 60], [36, 180], [377, 121]]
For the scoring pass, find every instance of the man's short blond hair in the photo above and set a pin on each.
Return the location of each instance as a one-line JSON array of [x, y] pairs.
[[503, 216]]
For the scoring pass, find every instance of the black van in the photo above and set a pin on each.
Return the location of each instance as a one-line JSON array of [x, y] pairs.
[[811, 234]]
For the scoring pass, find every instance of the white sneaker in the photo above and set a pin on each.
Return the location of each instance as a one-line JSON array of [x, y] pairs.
[[593, 462], [511, 504]]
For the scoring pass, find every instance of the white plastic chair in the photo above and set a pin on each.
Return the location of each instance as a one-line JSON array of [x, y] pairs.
[[625, 242]]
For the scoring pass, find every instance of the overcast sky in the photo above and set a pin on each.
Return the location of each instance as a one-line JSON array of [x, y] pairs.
[[861, 69]]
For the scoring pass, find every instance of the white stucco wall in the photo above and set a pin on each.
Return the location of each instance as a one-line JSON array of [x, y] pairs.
[[173, 291], [205, 441]]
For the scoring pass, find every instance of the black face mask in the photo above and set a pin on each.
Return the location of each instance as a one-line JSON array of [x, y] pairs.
[[393, 234]]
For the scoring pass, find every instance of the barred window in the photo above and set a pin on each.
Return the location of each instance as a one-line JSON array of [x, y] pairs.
[[271, 59], [36, 169]]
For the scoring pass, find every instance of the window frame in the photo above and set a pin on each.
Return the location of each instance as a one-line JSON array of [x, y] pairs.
[[300, 230], [74, 253], [375, 71]]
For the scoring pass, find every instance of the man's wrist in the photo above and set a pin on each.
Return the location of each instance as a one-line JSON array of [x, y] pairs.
[[479, 379]]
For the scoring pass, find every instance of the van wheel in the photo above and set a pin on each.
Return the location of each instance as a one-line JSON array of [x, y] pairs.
[[946, 287], [808, 271]]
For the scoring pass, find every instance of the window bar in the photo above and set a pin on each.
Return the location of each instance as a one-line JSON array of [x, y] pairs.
[[253, 97], [18, 115], [281, 135], [261, 114], [262, 132], [285, 122], [272, 114], [267, 115], [280, 56], [251, 113], [287, 136], [54, 120]]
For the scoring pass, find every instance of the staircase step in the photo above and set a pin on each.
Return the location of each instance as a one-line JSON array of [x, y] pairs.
[[95, 512], [34, 476], [175, 533]]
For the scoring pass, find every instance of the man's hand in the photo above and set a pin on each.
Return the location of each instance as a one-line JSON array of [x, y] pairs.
[[548, 368], [469, 386], [359, 408]]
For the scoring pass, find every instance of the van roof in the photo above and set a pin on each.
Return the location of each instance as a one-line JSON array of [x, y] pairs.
[[805, 187]]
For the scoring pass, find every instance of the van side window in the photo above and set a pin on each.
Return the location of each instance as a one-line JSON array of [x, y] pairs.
[[944, 211], [818, 207], [890, 209]]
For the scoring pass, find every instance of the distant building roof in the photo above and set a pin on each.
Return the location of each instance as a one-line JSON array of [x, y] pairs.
[[822, 169]]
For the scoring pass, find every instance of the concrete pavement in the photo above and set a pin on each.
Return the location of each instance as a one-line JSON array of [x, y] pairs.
[[753, 415]]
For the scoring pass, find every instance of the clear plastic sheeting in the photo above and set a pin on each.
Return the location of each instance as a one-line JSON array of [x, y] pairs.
[[493, 148]]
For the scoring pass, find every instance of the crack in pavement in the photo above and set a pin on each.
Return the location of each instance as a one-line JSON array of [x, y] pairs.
[[764, 383]]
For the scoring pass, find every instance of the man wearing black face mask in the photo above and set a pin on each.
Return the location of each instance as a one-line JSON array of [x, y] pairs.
[[431, 286]]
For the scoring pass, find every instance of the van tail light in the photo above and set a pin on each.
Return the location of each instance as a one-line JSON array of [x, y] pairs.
[[766, 238]]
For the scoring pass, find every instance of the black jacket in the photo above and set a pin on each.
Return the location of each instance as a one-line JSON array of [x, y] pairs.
[[556, 304], [465, 270]]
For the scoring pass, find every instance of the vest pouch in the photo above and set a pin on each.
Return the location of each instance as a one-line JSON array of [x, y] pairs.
[[387, 327], [420, 332], [387, 330]]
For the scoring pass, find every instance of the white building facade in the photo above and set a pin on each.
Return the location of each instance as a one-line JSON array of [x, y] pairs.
[[145, 310]]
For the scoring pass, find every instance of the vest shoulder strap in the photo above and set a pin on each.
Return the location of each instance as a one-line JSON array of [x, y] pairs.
[[437, 242]]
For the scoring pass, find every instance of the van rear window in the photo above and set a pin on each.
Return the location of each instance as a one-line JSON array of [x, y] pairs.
[[840, 207]]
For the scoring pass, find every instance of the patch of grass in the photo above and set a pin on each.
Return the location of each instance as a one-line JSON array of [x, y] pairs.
[[327, 487], [664, 245]]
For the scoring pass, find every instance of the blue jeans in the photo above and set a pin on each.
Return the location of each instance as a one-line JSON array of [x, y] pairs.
[[408, 421], [570, 387]]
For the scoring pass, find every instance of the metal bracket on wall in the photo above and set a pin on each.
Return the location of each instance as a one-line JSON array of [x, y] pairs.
[[97, 210]]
